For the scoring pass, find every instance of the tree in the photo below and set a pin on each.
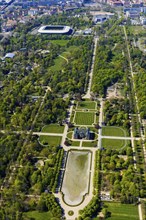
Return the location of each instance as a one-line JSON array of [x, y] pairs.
[[42, 207]]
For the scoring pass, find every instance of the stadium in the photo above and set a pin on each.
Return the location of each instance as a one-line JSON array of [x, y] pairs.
[[55, 29]]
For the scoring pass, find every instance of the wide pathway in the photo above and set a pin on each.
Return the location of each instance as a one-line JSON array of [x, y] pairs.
[[87, 96], [100, 124], [121, 138]]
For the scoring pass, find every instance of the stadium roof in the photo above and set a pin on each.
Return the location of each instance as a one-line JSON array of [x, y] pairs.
[[54, 29], [9, 55]]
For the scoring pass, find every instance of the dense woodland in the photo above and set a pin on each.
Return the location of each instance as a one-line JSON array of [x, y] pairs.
[[116, 112], [29, 81], [24, 175], [139, 62], [139, 67], [27, 75], [120, 177], [117, 172], [110, 63]]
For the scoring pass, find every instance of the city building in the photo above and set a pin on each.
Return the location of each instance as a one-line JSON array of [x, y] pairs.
[[143, 20], [132, 14]]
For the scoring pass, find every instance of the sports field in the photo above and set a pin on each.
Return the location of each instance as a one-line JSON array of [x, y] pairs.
[[122, 211], [86, 105], [84, 118], [113, 131]]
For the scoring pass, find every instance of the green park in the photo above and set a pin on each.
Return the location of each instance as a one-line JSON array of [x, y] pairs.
[[118, 211]]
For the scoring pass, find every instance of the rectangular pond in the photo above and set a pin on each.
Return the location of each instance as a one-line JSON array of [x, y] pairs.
[[77, 177]]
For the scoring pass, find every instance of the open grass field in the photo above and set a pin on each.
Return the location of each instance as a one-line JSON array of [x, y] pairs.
[[137, 29], [58, 64], [50, 140], [72, 117], [84, 118], [71, 48], [122, 211], [143, 204], [70, 134], [60, 42], [53, 128], [97, 119], [39, 215], [142, 42], [86, 105], [75, 143], [114, 144], [113, 131], [89, 144]]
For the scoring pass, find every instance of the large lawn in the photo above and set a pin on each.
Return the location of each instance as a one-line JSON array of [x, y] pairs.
[[136, 29], [84, 118], [113, 131], [89, 144], [60, 42], [50, 140], [75, 143], [114, 143], [122, 211], [143, 209], [53, 128], [86, 105], [58, 64], [39, 215], [142, 42], [70, 134]]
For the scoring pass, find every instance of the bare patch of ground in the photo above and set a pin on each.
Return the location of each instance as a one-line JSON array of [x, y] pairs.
[[114, 91]]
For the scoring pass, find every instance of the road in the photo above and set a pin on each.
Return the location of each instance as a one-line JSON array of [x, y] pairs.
[[121, 138], [37, 114], [87, 95], [34, 133], [100, 124]]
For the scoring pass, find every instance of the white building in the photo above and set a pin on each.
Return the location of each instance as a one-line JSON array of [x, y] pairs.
[[55, 29], [143, 20]]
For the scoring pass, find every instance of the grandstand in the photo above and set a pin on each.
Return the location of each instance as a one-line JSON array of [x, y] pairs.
[[55, 29]]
